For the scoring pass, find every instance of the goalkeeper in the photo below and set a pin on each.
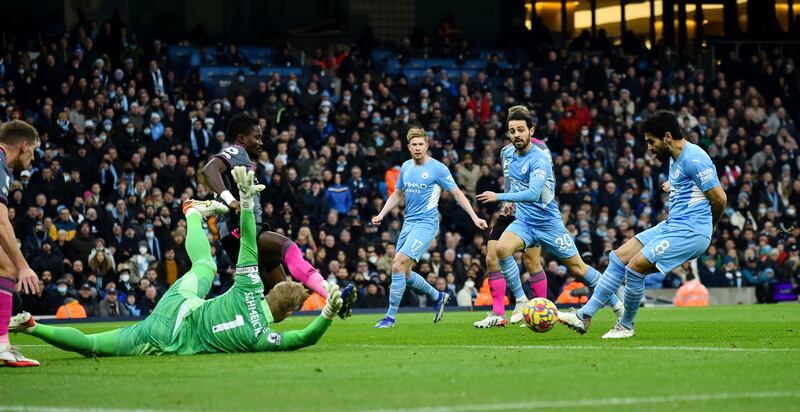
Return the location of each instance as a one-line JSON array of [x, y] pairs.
[[185, 323]]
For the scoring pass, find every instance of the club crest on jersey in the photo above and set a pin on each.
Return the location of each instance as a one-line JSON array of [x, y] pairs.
[[524, 168], [677, 173], [424, 175]]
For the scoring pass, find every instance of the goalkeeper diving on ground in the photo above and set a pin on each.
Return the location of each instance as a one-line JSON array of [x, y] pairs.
[[185, 323]]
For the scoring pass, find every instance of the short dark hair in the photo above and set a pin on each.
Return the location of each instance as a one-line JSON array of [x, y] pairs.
[[241, 123], [15, 131], [520, 113], [660, 123]]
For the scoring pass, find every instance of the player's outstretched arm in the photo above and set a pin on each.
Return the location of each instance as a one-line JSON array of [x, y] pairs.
[[465, 204], [391, 203], [213, 172], [248, 191], [719, 201], [311, 334]]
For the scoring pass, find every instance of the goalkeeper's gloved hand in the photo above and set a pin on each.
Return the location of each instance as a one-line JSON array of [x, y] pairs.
[[334, 301], [247, 189]]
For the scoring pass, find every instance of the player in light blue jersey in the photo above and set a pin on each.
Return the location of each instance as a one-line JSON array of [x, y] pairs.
[[696, 202], [538, 218], [421, 181]]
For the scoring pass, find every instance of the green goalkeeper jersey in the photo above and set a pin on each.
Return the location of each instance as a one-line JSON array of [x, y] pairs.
[[239, 321]]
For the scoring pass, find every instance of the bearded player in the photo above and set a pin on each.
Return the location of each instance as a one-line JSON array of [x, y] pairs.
[[274, 250], [696, 203], [184, 323], [18, 141], [538, 218]]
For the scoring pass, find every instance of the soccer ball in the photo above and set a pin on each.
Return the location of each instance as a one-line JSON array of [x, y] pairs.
[[540, 315]]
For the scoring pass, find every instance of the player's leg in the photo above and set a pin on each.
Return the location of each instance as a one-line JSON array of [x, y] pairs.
[[69, 339], [8, 283], [198, 280], [272, 245], [663, 253], [607, 286], [497, 287], [417, 241], [515, 238], [533, 264], [400, 266], [271, 275], [576, 266]]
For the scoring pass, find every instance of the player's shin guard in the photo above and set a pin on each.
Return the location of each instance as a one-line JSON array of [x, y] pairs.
[[301, 270], [593, 277], [6, 302], [510, 271], [634, 291], [539, 285], [396, 291], [606, 286], [497, 286], [418, 283]]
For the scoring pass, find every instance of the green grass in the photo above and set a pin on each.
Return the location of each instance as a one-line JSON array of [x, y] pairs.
[[710, 357]]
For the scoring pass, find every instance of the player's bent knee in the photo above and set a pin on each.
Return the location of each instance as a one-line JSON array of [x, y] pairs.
[[503, 251]]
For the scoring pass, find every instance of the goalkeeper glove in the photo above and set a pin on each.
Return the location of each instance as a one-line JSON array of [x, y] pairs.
[[334, 302], [247, 189]]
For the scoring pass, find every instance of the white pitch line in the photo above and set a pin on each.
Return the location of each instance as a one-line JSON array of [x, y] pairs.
[[599, 402], [571, 347], [31, 408]]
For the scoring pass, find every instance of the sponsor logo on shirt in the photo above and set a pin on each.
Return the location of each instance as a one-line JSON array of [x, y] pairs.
[[705, 176]]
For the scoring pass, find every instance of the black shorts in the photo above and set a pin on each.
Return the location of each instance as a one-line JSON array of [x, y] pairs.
[[500, 226], [230, 243]]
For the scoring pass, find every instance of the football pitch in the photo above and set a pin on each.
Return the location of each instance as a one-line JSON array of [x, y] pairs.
[[729, 358]]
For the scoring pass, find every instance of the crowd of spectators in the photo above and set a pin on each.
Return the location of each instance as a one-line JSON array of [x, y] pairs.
[[124, 140]]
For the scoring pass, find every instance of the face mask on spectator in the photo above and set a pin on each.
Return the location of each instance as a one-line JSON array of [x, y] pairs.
[[103, 137], [423, 106], [124, 277], [112, 95], [147, 131], [62, 290], [791, 211], [150, 235], [762, 210], [34, 67], [130, 131], [142, 250], [602, 234], [124, 120], [107, 127], [81, 140], [379, 141], [240, 79], [373, 259]]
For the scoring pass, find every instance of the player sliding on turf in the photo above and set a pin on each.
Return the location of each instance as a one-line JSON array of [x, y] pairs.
[[696, 202], [538, 219], [184, 323], [274, 250], [421, 180]]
